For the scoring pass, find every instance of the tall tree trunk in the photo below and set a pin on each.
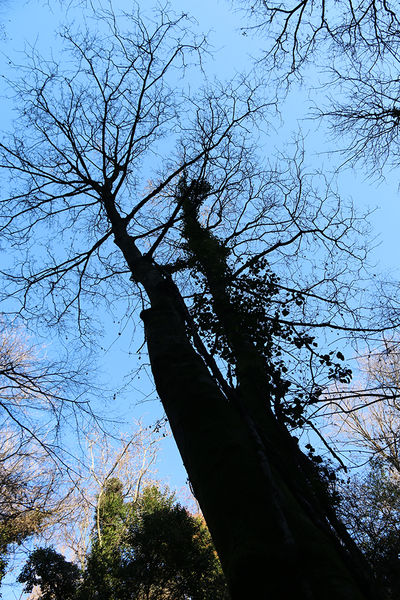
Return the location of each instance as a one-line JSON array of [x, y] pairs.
[[268, 543]]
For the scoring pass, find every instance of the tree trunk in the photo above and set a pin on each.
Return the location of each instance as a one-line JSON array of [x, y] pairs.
[[269, 544]]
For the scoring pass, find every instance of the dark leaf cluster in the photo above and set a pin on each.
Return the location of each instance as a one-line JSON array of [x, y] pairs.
[[250, 302]]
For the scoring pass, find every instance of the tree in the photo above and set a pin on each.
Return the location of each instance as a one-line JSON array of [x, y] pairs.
[[36, 393], [57, 578], [297, 31], [195, 248], [365, 419], [19, 517], [365, 415], [102, 577], [25, 507], [170, 553], [150, 548], [32, 487], [358, 45]]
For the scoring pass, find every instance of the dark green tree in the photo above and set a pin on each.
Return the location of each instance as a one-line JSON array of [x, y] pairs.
[[150, 549], [169, 553], [102, 577], [58, 579]]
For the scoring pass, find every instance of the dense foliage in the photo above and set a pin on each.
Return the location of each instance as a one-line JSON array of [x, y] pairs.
[[57, 578], [150, 549]]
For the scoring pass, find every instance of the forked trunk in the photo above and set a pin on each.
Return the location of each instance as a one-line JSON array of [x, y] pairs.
[[259, 514]]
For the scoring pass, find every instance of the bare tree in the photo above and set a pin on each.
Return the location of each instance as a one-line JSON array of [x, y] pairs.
[[353, 49], [364, 113], [130, 459], [34, 396], [33, 486], [158, 195], [366, 415], [295, 32]]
